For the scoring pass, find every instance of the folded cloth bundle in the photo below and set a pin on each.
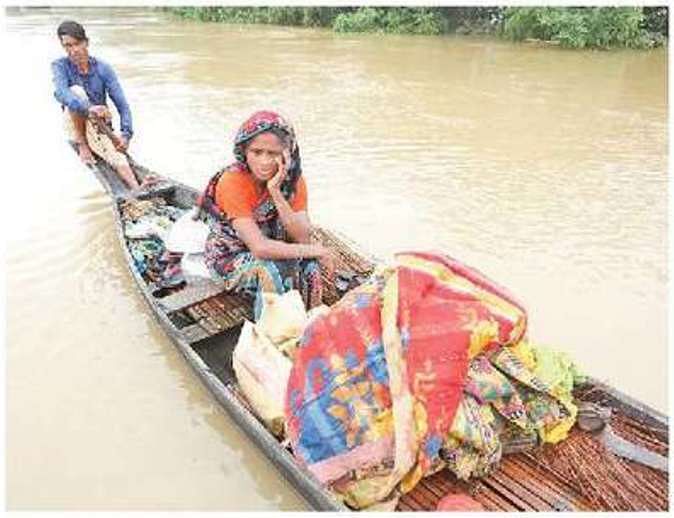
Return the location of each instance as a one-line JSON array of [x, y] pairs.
[[381, 385]]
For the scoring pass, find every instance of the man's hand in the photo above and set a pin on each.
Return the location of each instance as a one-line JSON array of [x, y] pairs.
[[100, 111], [120, 142]]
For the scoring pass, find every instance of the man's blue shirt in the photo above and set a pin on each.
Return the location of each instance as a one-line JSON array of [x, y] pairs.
[[99, 82]]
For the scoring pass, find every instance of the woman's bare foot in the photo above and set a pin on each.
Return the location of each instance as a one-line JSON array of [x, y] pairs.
[[85, 153]]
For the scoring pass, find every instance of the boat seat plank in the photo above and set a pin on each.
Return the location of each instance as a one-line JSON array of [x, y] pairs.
[[190, 295], [194, 333]]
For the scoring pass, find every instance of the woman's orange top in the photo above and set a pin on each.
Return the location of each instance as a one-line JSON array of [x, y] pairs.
[[237, 196]]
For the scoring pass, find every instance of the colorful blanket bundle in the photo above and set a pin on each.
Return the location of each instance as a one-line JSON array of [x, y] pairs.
[[421, 367]]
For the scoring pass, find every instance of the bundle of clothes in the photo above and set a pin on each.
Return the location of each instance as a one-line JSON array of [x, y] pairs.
[[425, 366], [150, 227]]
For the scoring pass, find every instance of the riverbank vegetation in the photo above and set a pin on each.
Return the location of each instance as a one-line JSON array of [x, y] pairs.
[[572, 27]]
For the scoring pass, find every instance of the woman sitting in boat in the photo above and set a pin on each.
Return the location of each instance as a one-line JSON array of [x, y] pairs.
[[260, 233]]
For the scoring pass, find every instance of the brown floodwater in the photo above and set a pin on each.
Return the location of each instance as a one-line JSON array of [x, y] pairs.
[[546, 169]]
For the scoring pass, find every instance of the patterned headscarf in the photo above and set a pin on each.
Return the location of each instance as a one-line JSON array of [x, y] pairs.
[[259, 122]]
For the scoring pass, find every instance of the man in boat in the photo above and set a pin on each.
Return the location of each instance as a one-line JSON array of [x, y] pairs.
[[81, 84]]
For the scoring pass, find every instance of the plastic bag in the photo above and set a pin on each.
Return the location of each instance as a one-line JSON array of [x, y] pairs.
[[262, 372], [283, 317], [187, 235]]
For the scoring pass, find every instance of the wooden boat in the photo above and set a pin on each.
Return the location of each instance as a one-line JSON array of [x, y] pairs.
[[204, 324]]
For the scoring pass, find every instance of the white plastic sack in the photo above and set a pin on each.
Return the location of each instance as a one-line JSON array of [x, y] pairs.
[[318, 311], [194, 265], [262, 373], [186, 235], [283, 317]]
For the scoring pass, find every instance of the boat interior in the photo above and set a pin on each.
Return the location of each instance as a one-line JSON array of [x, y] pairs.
[[541, 479]]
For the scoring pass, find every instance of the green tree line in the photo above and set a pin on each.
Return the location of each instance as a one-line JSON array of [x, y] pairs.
[[573, 27]]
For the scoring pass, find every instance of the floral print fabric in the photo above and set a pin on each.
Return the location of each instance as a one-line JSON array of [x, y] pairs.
[[423, 367], [377, 381]]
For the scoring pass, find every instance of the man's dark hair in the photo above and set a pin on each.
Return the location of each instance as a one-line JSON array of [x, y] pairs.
[[72, 29]]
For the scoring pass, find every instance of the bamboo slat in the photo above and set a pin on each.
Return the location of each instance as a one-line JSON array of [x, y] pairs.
[[189, 295]]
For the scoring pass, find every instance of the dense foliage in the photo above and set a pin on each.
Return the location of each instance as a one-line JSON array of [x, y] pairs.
[[580, 27], [403, 20], [302, 16], [575, 27]]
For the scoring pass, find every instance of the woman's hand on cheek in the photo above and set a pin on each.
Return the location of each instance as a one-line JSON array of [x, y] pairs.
[[274, 183]]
